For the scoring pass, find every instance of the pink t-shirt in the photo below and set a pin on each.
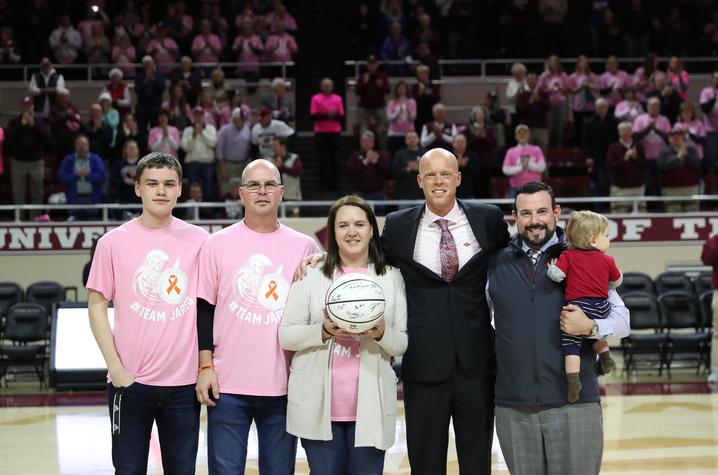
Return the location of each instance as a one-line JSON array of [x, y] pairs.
[[286, 47], [710, 120], [628, 111], [401, 114], [583, 100], [695, 127], [247, 276], [652, 143], [554, 85], [207, 55], [150, 275], [322, 104], [513, 164], [163, 51], [345, 371], [614, 82]]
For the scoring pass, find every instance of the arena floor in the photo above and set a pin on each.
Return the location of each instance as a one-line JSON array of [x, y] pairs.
[[651, 427]]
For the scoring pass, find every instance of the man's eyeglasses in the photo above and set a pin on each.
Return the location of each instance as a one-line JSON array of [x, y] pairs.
[[254, 187]]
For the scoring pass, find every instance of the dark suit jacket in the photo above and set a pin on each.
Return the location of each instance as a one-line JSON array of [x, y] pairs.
[[447, 322]]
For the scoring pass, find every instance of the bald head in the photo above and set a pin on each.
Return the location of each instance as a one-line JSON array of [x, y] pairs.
[[262, 163], [438, 178], [438, 155]]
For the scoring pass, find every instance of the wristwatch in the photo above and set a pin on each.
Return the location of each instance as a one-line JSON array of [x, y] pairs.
[[594, 331]]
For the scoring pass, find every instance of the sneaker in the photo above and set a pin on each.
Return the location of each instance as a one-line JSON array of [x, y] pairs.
[[713, 377]]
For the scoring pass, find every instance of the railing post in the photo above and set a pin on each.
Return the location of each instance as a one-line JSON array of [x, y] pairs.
[[283, 210], [483, 69], [105, 214]]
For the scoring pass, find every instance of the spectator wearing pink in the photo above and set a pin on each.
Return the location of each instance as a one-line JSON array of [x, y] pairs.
[[696, 133], [65, 41], [236, 102], [678, 77], [206, 46], [629, 108], [123, 55], [643, 77], [280, 46], [523, 163], [187, 20], [163, 49], [584, 86], [279, 15], [97, 47], [178, 108], [209, 106], [612, 82], [554, 82], [709, 106], [143, 32], [120, 92], [219, 23], [249, 47], [651, 131], [401, 112], [247, 14], [327, 111], [164, 137], [92, 18]]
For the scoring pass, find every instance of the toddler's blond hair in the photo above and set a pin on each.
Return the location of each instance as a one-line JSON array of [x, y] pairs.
[[583, 226]]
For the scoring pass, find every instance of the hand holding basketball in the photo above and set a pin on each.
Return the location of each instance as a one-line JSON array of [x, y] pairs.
[[330, 328], [376, 332]]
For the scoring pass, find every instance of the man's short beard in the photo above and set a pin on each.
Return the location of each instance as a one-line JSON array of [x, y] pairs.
[[549, 232]]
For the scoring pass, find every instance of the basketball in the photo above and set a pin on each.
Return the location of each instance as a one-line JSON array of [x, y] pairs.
[[355, 302]]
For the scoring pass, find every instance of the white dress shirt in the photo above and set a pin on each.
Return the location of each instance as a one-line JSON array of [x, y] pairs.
[[428, 237]]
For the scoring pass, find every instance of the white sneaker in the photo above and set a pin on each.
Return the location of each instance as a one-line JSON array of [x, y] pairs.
[[713, 377]]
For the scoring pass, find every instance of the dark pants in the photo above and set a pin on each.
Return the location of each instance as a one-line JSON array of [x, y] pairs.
[[85, 214], [175, 410], [327, 144], [202, 173], [379, 210], [228, 426], [595, 309], [146, 117], [339, 456], [429, 407]]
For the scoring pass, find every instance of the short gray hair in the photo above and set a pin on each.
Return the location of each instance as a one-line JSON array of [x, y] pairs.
[[277, 82]]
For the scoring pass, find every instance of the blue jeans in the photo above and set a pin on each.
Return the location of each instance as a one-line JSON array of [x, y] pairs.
[[202, 173], [228, 426], [176, 411], [339, 456]]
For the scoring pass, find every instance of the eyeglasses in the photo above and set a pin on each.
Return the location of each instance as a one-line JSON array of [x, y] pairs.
[[254, 187]]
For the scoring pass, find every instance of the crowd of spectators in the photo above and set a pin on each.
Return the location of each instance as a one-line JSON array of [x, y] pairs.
[[122, 32], [626, 133], [625, 125], [470, 29]]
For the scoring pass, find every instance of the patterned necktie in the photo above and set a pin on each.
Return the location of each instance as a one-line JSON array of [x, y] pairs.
[[534, 255], [447, 252]]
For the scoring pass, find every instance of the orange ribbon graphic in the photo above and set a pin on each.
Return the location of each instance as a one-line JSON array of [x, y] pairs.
[[271, 292], [173, 285]]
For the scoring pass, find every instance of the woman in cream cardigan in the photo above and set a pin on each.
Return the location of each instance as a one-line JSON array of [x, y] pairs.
[[342, 388]]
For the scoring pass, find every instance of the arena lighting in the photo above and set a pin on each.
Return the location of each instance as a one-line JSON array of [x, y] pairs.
[[75, 358]]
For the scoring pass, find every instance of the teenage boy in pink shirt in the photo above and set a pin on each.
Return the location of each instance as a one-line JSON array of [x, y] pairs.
[[245, 273], [148, 268]]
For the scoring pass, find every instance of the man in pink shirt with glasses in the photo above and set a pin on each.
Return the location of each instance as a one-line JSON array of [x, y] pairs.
[[246, 271]]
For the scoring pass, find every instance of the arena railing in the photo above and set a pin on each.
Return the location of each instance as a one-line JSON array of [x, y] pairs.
[[286, 208], [503, 66], [28, 69]]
